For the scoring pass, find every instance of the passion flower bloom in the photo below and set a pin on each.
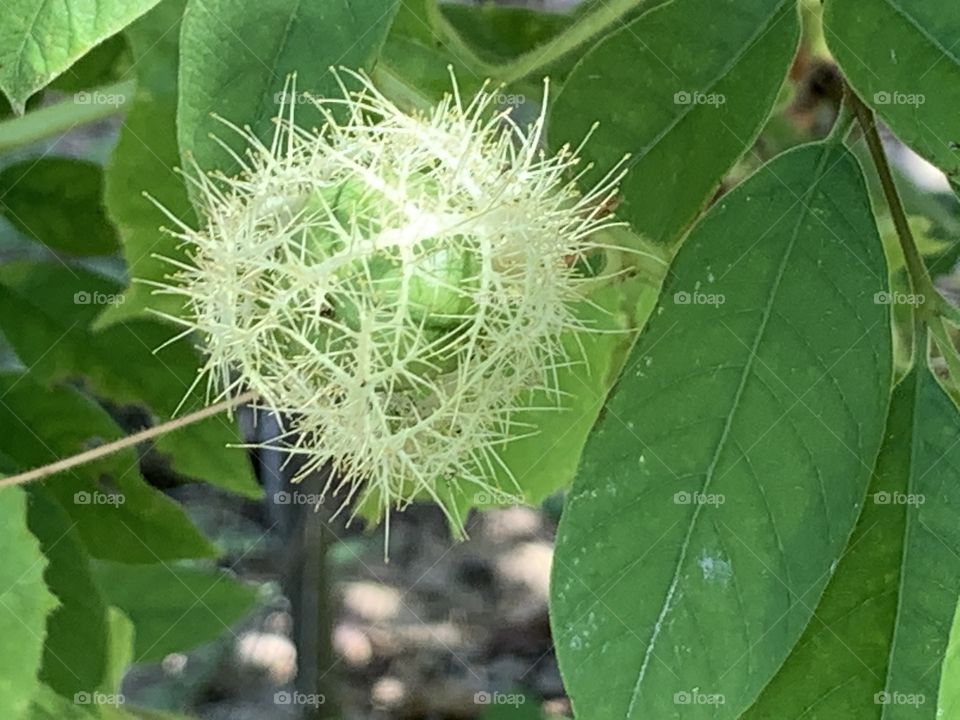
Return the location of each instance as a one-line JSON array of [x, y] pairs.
[[394, 285]]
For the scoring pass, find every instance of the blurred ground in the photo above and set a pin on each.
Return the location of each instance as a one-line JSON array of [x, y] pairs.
[[434, 633]]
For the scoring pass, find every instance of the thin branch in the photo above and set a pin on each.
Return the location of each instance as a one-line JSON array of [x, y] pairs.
[[59, 118], [599, 20], [919, 277], [123, 443]]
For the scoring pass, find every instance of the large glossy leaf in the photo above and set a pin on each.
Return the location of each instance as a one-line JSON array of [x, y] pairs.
[[46, 313], [877, 644], [726, 473], [75, 652], [173, 608], [58, 202], [685, 88], [903, 59], [236, 56], [144, 161], [118, 516], [40, 39], [25, 602]]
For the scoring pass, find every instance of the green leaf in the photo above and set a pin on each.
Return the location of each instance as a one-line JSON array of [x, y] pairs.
[[104, 64], [948, 703], [48, 705], [118, 516], [46, 313], [173, 608], [499, 33], [121, 633], [415, 20], [137, 713], [879, 636], [903, 60], [39, 39], [58, 202], [687, 97], [725, 475], [546, 461], [514, 705], [144, 161], [25, 603], [75, 651], [425, 67], [236, 56]]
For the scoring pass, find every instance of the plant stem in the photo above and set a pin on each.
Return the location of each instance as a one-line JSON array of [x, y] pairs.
[[123, 443], [605, 15], [842, 124], [941, 335], [920, 280], [405, 95], [440, 26], [65, 115]]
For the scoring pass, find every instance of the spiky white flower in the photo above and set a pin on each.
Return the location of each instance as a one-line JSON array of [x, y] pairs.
[[394, 284]]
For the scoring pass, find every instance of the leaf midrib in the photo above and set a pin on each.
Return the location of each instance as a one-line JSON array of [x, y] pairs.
[[722, 442], [912, 21], [723, 73], [909, 521]]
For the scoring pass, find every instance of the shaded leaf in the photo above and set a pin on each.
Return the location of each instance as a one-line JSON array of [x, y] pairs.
[[75, 651], [118, 516], [499, 33], [104, 64], [46, 312], [236, 56], [173, 608], [547, 461], [686, 97], [425, 67], [144, 161], [58, 202], [902, 59], [877, 642]]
